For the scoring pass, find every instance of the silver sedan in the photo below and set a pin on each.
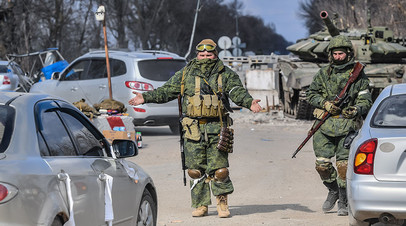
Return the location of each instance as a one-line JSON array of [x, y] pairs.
[[376, 174], [56, 168]]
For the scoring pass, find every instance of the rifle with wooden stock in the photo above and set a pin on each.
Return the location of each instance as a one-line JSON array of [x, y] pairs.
[[339, 100]]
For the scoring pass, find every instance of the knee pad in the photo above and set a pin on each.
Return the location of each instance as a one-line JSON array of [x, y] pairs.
[[221, 174], [325, 169], [194, 173], [342, 169]]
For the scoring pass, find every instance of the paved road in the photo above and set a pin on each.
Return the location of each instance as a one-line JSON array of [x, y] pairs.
[[271, 188]]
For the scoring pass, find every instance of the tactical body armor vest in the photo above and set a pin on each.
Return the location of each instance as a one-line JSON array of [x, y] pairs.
[[206, 106]]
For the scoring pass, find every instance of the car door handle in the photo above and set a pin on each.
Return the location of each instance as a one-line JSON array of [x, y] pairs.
[[73, 89], [102, 86]]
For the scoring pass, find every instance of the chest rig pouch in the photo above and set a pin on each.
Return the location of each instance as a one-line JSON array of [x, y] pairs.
[[207, 106]]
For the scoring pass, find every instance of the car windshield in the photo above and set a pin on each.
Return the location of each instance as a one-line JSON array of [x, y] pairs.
[[3, 69], [6, 126], [160, 70], [391, 112]]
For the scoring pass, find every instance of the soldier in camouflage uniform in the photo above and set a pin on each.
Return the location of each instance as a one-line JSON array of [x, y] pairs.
[[328, 140], [201, 83]]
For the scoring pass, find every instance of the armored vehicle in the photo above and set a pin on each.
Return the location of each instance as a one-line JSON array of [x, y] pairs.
[[374, 46]]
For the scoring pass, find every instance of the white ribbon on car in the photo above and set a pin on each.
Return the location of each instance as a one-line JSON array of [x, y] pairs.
[[108, 201], [130, 171], [71, 221]]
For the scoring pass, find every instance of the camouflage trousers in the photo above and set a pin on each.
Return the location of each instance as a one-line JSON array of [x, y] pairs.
[[204, 156], [325, 148]]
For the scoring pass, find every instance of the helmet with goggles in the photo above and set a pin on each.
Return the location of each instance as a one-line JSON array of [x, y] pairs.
[[207, 45]]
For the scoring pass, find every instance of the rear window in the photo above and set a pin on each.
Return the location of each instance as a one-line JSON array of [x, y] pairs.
[[391, 112], [3, 69], [7, 115], [160, 70]]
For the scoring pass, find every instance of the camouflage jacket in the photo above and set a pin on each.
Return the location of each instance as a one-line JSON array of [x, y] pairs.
[[231, 84], [326, 87]]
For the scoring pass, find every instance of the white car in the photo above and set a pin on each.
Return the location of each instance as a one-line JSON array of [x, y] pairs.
[[376, 174], [8, 79], [56, 168], [86, 78]]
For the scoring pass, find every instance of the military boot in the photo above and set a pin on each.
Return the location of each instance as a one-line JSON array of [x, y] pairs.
[[332, 196], [200, 211], [222, 206], [342, 202]]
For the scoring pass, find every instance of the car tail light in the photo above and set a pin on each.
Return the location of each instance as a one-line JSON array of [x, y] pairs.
[[7, 192], [364, 157], [6, 80], [141, 86], [139, 109]]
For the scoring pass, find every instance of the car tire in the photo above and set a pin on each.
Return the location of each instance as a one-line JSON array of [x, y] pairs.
[[353, 221], [174, 129], [147, 211]]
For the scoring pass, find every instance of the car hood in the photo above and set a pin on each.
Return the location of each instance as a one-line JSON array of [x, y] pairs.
[[390, 156]]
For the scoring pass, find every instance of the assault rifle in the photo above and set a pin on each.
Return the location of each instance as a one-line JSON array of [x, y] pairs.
[[338, 100], [182, 153]]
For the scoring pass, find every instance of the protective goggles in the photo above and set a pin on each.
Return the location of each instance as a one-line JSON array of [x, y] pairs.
[[206, 47]]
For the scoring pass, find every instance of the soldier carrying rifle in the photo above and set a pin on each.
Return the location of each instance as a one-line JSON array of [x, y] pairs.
[[204, 85], [328, 140]]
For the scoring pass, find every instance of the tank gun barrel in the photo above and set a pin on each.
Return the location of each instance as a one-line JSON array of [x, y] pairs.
[[332, 29]]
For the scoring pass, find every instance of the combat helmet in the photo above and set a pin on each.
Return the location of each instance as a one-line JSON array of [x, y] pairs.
[[340, 41]]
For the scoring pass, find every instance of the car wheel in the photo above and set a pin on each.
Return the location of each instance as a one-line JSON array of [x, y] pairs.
[[174, 129], [353, 221], [147, 212]]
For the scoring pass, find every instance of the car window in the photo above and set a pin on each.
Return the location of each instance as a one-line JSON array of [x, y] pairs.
[[159, 70], [52, 131], [98, 69], [3, 69], [86, 142], [7, 115], [391, 112], [76, 71], [62, 131]]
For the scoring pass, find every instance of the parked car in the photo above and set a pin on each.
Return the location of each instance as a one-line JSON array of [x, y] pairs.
[[376, 174], [8, 78], [86, 77], [56, 166]]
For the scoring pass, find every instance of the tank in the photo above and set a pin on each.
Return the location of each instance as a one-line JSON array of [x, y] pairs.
[[375, 46]]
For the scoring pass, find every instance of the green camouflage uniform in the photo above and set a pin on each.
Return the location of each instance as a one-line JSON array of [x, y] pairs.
[[203, 154], [328, 140]]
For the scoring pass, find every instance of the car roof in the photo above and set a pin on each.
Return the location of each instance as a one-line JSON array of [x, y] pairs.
[[145, 54], [23, 97]]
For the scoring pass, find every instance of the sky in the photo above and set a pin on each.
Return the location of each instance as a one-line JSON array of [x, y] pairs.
[[282, 13]]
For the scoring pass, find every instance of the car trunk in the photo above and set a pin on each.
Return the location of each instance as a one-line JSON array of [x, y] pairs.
[[390, 157]]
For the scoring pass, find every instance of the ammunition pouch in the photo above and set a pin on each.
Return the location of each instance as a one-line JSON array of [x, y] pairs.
[[226, 140], [191, 129], [204, 106]]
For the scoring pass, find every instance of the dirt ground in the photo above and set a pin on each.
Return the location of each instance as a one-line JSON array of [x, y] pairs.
[[271, 188]]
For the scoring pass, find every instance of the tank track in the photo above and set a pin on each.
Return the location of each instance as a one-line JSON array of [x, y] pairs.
[[299, 108]]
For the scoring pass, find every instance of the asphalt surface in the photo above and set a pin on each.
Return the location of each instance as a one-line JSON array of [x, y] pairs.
[[271, 188]]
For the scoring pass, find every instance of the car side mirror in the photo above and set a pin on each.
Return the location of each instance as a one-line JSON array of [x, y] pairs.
[[55, 75], [124, 148]]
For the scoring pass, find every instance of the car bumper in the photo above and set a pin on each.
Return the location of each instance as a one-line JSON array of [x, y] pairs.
[[369, 198], [154, 114]]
